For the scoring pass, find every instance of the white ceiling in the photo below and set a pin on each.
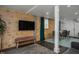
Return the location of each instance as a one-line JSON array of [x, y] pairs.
[[41, 10]]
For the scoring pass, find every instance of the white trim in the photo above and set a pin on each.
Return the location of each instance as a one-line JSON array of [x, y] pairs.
[[46, 23]]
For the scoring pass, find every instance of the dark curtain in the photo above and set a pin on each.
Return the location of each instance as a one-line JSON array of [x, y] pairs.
[[41, 29]]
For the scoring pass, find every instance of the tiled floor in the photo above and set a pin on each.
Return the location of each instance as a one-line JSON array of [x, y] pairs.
[[30, 49], [64, 42]]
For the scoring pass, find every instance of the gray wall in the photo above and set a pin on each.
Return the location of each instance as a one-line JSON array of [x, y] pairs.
[[69, 25]]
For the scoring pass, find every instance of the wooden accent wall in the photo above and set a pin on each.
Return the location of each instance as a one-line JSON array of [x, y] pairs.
[[38, 29], [49, 32], [11, 18]]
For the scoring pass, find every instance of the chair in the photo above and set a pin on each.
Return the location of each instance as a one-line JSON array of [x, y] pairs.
[[68, 33], [64, 33]]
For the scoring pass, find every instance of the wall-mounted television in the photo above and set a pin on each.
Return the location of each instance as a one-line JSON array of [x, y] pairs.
[[26, 25]]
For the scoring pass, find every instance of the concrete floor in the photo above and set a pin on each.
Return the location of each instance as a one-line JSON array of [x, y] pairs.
[[66, 42]]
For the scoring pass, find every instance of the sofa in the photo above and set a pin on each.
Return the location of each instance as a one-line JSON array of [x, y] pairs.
[[74, 48]]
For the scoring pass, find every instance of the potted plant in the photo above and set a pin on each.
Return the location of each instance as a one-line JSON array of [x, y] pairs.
[[2, 30]]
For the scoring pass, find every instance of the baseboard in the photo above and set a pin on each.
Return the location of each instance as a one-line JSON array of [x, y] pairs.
[[6, 49], [74, 37]]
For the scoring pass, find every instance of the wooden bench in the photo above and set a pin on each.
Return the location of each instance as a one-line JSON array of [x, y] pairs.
[[23, 39]]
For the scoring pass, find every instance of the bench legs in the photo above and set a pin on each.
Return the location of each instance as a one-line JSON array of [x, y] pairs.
[[16, 45]]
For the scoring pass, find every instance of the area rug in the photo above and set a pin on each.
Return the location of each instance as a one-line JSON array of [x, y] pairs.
[[51, 46], [30, 49]]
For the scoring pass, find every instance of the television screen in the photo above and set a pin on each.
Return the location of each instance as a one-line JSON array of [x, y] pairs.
[[26, 25]]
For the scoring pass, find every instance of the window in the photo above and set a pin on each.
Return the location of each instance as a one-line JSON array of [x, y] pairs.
[[46, 23]]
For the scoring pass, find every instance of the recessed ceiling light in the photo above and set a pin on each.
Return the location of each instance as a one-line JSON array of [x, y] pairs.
[[76, 13], [68, 5]]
